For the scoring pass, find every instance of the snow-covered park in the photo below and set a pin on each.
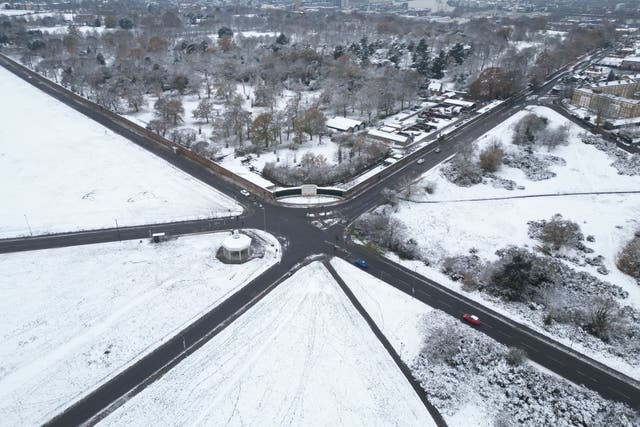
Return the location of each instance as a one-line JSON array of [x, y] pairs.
[[72, 318], [65, 172], [471, 382], [451, 220], [302, 356], [250, 166]]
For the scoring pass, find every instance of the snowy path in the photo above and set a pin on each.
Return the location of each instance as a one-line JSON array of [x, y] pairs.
[[528, 196]]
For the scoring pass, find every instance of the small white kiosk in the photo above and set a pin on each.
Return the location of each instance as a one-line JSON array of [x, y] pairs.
[[237, 247]]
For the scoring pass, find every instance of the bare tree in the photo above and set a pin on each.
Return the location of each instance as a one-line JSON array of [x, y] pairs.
[[170, 109], [261, 129], [203, 111], [560, 233]]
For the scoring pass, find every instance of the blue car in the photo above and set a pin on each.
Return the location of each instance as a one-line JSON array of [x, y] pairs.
[[361, 263]]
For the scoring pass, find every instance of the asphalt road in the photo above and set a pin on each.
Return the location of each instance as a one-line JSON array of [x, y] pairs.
[[304, 239], [556, 357]]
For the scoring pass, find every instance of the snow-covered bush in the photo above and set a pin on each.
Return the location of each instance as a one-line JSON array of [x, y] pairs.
[[624, 163], [557, 233], [491, 157], [516, 356], [463, 171], [517, 275], [527, 130], [430, 187], [457, 267], [534, 165], [551, 138], [629, 258], [380, 229]]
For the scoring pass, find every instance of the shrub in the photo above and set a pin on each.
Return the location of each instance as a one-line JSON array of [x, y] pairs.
[[491, 157], [551, 138], [526, 131], [379, 228], [602, 318], [516, 356], [463, 171], [629, 258], [517, 274], [560, 233], [469, 281], [442, 344], [430, 187]]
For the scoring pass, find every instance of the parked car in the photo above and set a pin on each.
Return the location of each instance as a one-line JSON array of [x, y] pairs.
[[471, 319], [420, 161], [361, 263], [245, 193]]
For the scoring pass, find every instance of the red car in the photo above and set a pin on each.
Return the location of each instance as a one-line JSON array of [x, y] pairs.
[[471, 319]]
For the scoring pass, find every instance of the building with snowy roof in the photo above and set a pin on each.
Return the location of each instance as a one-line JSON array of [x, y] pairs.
[[631, 63], [343, 124], [236, 248]]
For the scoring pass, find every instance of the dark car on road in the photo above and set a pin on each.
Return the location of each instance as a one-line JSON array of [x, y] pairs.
[[361, 263]]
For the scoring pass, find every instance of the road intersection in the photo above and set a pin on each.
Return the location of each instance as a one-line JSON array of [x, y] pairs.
[[329, 239]]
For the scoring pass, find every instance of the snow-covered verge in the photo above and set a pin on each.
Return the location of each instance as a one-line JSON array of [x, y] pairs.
[[467, 375], [65, 172], [74, 317], [476, 221], [397, 314], [302, 356]]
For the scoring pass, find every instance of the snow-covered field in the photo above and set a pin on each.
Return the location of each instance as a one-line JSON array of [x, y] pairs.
[[397, 314], [464, 394], [454, 224], [401, 318], [459, 224], [65, 172], [35, 14], [74, 317], [301, 356]]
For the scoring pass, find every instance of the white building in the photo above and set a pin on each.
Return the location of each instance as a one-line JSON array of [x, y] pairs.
[[236, 248], [344, 124]]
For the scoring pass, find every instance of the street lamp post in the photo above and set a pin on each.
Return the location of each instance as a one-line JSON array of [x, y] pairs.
[[264, 217], [28, 225]]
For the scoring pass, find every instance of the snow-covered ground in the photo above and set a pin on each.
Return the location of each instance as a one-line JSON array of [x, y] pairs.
[[18, 12], [35, 14], [463, 395], [74, 317], [256, 34], [398, 315], [454, 224], [488, 225], [309, 200], [301, 356], [84, 29], [248, 167], [65, 172]]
